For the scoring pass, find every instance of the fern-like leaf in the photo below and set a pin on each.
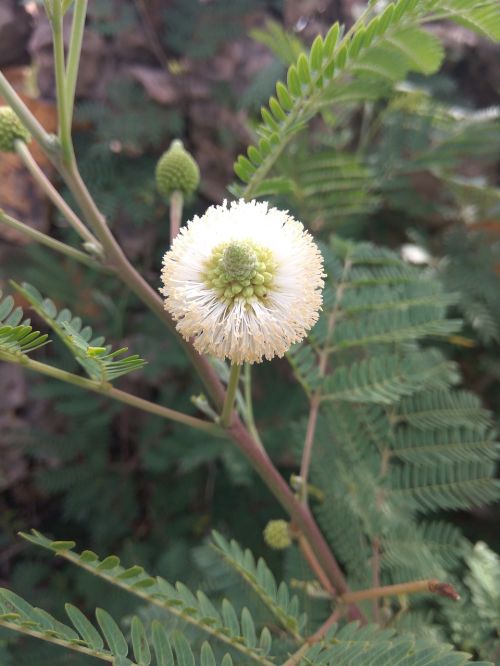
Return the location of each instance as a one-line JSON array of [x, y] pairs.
[[198, 611], [17, 337], [283, 606], [96, 358], [174, 650]]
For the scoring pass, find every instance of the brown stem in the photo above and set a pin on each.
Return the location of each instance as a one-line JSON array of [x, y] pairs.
[[315, 566], [316, 397], [298, 512], [134, 280], [376, 577], [308, 445], [317, 636], [429, 585]]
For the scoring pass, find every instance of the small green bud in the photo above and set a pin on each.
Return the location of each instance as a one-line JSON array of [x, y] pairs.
[[177, 170], [277, 534], [11, 129], [238, 261]]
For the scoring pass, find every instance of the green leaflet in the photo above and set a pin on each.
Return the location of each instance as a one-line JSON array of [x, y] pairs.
[[17, 337], [283, 606], [19, 615], [197, 611], [96, 358]]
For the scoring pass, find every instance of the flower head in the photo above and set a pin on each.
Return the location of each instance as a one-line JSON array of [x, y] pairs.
[[243, 281], [177, 170], [277, 534], [11, 129]]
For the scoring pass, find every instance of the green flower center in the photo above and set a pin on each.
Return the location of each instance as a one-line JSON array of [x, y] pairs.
[[240, 270]]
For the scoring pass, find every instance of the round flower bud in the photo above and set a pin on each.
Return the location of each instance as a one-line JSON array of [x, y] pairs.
[[11, 129], [177, 170], [277, 534]]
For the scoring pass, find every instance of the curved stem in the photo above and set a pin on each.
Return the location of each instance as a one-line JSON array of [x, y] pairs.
[[121, 396], [50, 242], [134, 280], [232, 387], [45, 139], [300, 514], [46, 186]]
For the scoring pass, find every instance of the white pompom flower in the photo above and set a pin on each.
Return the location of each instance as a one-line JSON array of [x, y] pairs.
[[243, 282]]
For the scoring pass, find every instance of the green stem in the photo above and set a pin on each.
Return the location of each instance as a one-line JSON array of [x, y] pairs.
[[134, 280], [60, 73], [249, 417], [58, 641], [232, 387], [121, 396], [46, 186], [176, 203], [48, 241], [74, 53], [46, 140]]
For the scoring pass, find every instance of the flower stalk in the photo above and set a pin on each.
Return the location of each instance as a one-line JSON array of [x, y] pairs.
[[47, 141], [176, 204], [232, 387]]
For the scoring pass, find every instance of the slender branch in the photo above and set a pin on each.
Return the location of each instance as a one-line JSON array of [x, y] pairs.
[[46, 186], [50, 242], [299, 513], [176, 202], [316, 397], [57, 641], [434, 586], [308, 445], [312, 560], [134, 280], [376, 577], [74, 53], [317, 636], [46, 140], [60, 74], [232, 387], [122, 396]]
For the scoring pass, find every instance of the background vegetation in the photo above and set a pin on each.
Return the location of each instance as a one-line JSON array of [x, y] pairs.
[[418, 173]]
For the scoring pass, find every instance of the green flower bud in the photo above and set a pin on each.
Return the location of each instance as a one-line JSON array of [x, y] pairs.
[[277, 534], [11, 129], [177, 170], [238, 261]]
